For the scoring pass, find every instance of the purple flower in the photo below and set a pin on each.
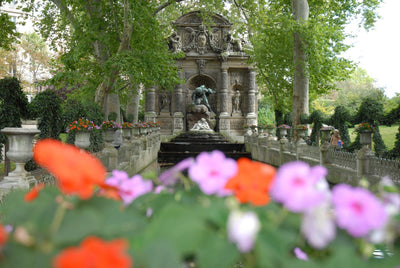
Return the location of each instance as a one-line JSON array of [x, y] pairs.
[[171, 176], [357, 210], [296, 186], [129, 188], [301, 255], [242, 229], [212, 171]]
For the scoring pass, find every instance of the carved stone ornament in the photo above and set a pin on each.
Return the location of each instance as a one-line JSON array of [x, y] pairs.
[[201, 64]]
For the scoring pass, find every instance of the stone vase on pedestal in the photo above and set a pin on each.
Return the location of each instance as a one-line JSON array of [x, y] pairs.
[[270, 132], [283, 132], [301, 133], [20, 151], [365, 138], [82, 139]]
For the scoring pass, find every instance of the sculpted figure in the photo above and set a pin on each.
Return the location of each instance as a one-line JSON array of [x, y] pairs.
[[201, 125], [236, 102], [174, 42], [200, 95]]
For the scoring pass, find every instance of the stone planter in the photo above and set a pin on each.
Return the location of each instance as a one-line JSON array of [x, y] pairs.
[[126, 134], [365, 137], [301, 133], [283, 132], [136, 132], [108, 135], [82, 139], [20, 151]]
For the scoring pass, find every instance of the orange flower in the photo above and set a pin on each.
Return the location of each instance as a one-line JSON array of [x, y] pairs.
[[3, 236], [95, 253], [77, 171], [33, 193], [252, 182]]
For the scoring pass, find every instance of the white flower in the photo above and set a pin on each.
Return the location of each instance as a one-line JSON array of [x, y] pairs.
[[242, 229]]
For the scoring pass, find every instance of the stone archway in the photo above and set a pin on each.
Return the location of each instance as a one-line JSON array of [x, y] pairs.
[[207, 81]]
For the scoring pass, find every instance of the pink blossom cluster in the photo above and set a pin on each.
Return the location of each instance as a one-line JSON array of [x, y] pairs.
[[303, 189], [297, 186]]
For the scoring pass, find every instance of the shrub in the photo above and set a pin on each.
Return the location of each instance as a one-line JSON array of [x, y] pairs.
[[13, 106], [46, 106]]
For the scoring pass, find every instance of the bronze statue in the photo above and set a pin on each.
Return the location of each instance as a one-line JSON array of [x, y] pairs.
[[200, 94]]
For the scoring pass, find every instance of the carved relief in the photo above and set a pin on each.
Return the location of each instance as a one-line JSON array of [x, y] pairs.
[[201, 64]]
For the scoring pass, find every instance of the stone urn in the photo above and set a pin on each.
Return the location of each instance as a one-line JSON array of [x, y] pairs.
[[283, 132], [301, 133], [108, 135], [135, 132], [326, 131], [365, 137], [82, 139], [126, 134], [20, 151]]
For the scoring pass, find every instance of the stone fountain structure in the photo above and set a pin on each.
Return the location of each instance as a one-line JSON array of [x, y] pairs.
[[213, 59]]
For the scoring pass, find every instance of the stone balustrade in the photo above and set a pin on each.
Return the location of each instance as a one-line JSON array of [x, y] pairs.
[[135, 153], [343, 167]]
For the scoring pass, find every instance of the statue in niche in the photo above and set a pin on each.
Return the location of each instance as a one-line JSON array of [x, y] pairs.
[[164, 102], [236, 102], [200, 94], [174, 43]]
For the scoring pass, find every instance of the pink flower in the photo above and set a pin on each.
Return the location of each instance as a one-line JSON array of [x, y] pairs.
[[242, 229], [301, 255], [171, 176], [129, 188], [296, 186], [357, 210], [212, 171]]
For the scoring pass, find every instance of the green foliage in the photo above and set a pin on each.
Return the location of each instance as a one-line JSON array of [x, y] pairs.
[[13, 105], [379, 145], [316, 118], [340, 120], [370, 110], [112, 116], [395, 152], [265, 114], [46, 106], [74, 109], [8, 33]]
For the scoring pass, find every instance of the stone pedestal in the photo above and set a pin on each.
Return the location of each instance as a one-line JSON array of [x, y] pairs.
[[109, 155], [150, 117], [178, 123], [20, 151]]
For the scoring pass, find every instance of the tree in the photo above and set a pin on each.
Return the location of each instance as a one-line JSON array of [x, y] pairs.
[[35, 50], [8, 32], [104, 42], [282, 33]]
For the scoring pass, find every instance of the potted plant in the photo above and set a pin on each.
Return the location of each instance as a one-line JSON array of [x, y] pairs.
[[81, 128], [301, 130], [365, 130], [109, 128], [283, 129]]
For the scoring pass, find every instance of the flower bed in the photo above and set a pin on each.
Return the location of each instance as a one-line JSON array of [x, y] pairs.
[[284, 126], [110, 125], [364, 127], [214, 217], [82, 124]]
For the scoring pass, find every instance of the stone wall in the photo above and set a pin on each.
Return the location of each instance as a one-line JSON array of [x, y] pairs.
[[134, 154], [343, 167]]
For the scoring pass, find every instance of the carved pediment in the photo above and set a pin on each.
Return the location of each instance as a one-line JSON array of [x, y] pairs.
[[194, 18]]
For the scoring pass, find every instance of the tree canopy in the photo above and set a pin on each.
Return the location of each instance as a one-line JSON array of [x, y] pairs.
[[106, 44]]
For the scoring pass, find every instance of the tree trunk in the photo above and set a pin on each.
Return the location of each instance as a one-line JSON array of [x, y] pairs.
[[300, 82]]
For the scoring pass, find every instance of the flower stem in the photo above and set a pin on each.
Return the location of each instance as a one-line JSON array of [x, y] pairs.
[[58, 218]]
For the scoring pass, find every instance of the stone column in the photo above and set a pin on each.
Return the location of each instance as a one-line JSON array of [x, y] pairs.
[[132, 108], [113, 106], [150, 114], [178, 95], [224, 121], [251, 117]]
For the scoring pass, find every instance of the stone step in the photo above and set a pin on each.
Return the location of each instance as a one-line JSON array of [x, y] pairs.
[[190, 144], [200, 147], [173, 158]]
